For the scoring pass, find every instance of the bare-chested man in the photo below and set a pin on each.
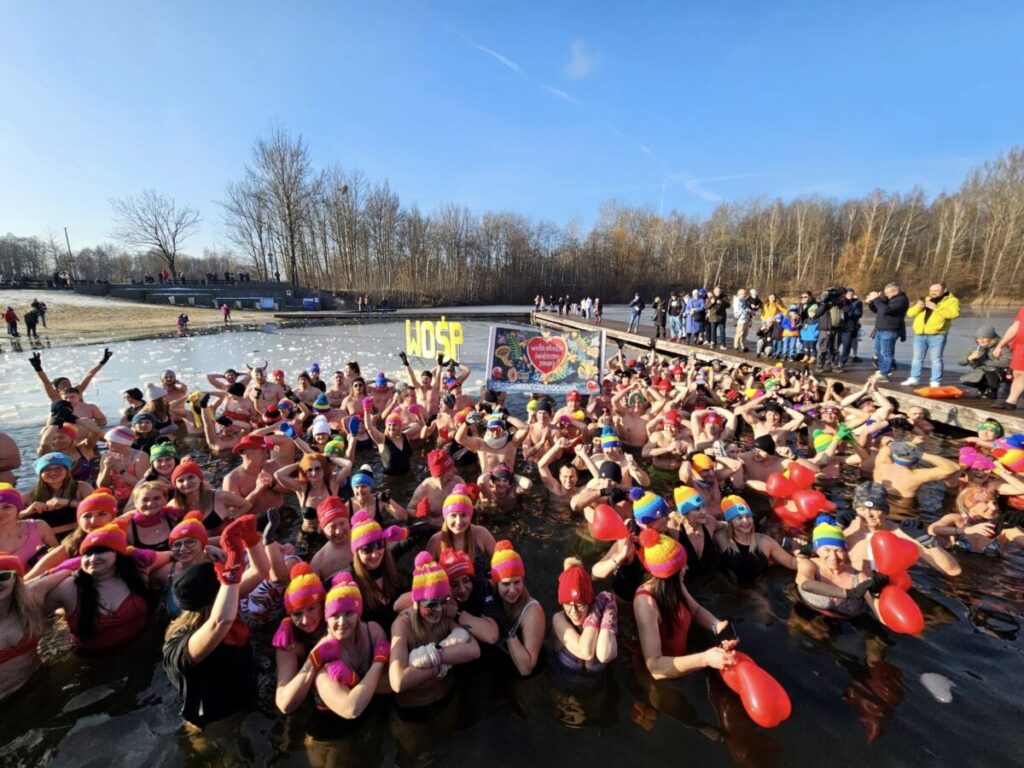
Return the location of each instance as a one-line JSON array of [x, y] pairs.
[[898, 470], [667, 447], [428, 499], [254, 479], [498, 446]]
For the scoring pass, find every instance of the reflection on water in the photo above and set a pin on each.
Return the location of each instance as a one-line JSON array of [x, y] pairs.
[[854, 685]]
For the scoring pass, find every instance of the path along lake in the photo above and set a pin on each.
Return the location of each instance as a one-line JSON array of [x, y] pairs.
[[856, 688]]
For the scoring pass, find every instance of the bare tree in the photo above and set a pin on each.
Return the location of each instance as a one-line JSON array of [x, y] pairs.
[[155, 222]]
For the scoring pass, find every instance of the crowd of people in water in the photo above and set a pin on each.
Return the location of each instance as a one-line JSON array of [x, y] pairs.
[[392, 601]]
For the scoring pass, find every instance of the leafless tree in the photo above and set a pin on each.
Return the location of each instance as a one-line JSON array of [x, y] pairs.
[[154, 222]]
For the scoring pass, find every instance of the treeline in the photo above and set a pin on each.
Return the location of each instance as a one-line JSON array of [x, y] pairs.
[[335, 228]]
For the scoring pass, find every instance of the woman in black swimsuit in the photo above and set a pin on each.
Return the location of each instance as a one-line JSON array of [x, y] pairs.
[[747, 554], [317, 478], [191, 491], [395, 449], [697, 532], [151, 522]]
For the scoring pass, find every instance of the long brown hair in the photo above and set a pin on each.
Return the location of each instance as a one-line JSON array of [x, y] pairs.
[[448, 539], [374, 596], [68, 489]]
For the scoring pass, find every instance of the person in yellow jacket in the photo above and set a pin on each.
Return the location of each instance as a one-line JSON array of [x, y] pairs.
[[932, 316]]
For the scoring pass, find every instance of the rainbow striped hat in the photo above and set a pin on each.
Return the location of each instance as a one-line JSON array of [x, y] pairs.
[[506, 562], [366, 530], [343, 596], [662, 556], [733, 507], [458, 502], [429, 580], [687, 499], [608, 438], [303, 590], [647, 506]]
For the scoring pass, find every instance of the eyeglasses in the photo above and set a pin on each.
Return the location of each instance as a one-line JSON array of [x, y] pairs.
[[575, 607], [6, 575], [433, 605], [185, 544], [369, 549]]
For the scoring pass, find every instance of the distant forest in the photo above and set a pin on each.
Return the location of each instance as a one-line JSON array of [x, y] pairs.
[[336, 229]]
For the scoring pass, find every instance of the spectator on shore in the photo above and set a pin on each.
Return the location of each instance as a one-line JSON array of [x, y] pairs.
[[987, 369], [716, 309], [890, 308], [741, 313], [675, 317], [933, 315], [772, 307], [31, 320], [1014, 338], [11, 318], [40, 307], [659, 317], [695, 315], [852, 310], [637, 305]]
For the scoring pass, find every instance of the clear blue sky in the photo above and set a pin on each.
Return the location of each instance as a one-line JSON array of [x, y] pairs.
[[547, 109]]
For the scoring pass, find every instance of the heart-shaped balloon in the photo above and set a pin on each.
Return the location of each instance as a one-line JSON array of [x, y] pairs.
[[546, 354], [607, 525], [892, 553], [802, 477], [810, 504], [790, 518], [764, 699], [779, 486], [901, 580], [899, 612]]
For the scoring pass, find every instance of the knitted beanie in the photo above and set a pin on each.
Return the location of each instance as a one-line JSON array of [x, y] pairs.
[[162, 449], [647, 506], [608, 438], [190, 527], [53, 459], [119, 436], [100, 500], [662, 556], [343, 596], [9, 495], [458, 502], [304, 588], [10, 562], [687, 499], [456, 564], [574, 583], [110, 536], [439, 462], [506, 563], [330, 509], [366, 530], [827, 533], [186, 468], [733, 507], [429, 580], [361, 478]]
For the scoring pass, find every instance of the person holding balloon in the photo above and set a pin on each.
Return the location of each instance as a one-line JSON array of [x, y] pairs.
[[827, 582], [871, 504], [747, 554], [976, 526], [664, 611]]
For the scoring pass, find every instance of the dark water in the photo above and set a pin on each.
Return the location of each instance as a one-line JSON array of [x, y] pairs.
[[855, 687]]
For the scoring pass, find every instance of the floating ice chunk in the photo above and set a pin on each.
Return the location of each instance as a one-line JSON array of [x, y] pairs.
[[939, 686]]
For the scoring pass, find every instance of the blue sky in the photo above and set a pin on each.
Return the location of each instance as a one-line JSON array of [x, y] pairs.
[[547, 109]]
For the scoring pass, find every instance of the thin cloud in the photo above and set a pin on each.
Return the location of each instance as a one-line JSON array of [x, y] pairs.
[[695, 188], [562, 95], [499, 57], [581, 61], [647, 150]]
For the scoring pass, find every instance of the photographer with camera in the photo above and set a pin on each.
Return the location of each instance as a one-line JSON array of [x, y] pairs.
[[890, 308], [830, 323], [933, 315]]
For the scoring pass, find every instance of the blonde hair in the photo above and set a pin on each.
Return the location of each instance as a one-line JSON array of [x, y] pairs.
[[26, 609], [733, 549], [150, 485]]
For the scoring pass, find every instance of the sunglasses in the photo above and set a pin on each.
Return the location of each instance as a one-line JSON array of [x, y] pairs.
[[371, 548], [6, 575], [433, 605]]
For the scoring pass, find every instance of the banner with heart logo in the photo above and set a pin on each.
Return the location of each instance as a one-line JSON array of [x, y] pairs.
[[525, 359]]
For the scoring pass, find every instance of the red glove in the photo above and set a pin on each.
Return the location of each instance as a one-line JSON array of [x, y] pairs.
[[247, 526], [326, 651], [228, 575], [233, 543], [340, 672], [382, 651], [423, 508]]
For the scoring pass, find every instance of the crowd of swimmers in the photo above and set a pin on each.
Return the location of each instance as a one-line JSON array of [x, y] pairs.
[[390, 598]]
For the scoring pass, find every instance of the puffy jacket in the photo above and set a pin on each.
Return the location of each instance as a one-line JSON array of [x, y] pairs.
[[932, 322], [890, 313]]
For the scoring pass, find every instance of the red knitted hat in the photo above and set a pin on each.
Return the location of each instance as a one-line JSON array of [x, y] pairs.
[[191, 527], [330, 509], [9, 562], [110, 536], [439, 462], [575, 584], [100, 500], [186, 468]]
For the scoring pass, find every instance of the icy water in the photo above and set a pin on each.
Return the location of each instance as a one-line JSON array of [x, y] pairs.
[[856, 688]]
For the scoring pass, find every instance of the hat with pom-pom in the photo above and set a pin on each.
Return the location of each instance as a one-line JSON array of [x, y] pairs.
[[458, 502], [574, 583], [647, 506], [366, 531], [321, 404], [343, 596], [506, 562], [456, 564], [429, 580], [662, 556], [190, 527], [687, 499], [304, 588]]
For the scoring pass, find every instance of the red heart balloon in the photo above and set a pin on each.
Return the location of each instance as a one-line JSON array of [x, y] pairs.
[[763, 698], [787, 516], [901, 580], [899, 612], [607, 525], [810, 504], [892, 553], [779, 486], [802, 477]]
